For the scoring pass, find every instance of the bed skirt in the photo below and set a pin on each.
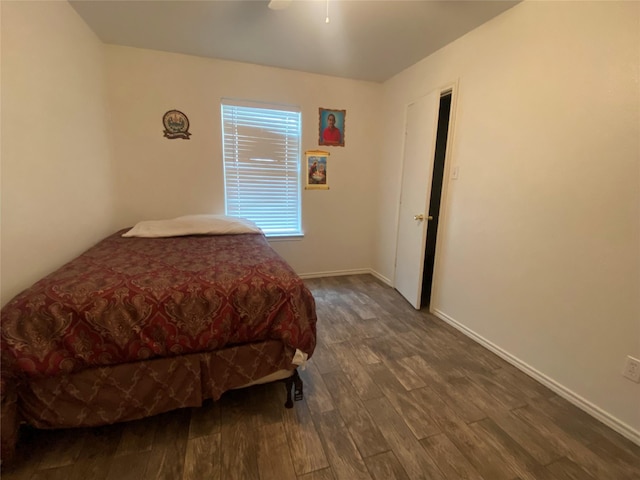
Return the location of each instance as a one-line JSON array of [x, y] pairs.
[[101, 396]]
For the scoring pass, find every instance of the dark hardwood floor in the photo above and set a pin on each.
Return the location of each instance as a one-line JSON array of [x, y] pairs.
[[390, 393]]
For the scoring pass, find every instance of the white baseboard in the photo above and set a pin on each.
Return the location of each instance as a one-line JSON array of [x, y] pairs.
[[622, 428], [339, 273], [382, 278], [335, 273]]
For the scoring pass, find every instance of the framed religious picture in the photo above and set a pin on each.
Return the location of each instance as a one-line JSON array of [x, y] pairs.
[[331, 131], [316, 163]]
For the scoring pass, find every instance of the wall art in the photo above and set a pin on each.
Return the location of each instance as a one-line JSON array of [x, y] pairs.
[[332, 127], [176, 125], [316, 163]]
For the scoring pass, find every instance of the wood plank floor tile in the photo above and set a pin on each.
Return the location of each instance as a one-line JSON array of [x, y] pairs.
[[205, 420], [324, 474], [462, 404], [514, 455], [480, 356], [238, 442], [414, 459], [501, 395], [18, 474], [565, 469], [394, 324], [334, 329], [362, 352], [274, 459], [573, 419], [369, 329], [434, 355], [627, 461], [342, 453], [265, 403], [438, 338], [363, 305], [315, 391], [60, 450], [388, 347], [600, 468], [361, 426], [363, 384], [572, 446], [513, 378], [137, 436], [448, 458], [620, 445], [405, 374], [307, 453], [325, 360], [545, 428], [483, 397], [408, 404], [385, 466], [130, 467], [102, 441], [59, 473], [488, 461], [166, 457], [527, 436], [436, 411], [95, 469], [385, 379], [446, 389], [202, 458], [98, 452]]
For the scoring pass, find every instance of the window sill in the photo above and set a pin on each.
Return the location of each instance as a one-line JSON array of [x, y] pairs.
[[281, 238]]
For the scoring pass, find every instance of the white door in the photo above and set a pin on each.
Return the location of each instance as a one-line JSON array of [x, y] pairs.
[[417, 170]]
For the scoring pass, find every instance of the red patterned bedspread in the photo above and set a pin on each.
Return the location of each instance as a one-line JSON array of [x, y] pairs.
[[129, 299]]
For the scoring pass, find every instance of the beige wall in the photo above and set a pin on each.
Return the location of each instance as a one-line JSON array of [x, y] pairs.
[[56, 175], [160, 178], [539, 250]]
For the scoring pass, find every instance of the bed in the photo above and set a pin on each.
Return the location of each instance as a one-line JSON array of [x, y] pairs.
[[153, 318]]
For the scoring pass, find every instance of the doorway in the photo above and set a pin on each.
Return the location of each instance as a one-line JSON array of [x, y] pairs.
[[442, 135]]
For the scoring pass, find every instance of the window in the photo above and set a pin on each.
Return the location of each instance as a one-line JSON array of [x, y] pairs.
[[261, 153]]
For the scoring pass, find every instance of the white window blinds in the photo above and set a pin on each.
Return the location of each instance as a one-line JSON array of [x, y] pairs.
[[261, 150]]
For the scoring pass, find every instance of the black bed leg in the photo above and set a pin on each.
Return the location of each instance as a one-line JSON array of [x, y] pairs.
[[288, 382], [294, 382], [297, 382]]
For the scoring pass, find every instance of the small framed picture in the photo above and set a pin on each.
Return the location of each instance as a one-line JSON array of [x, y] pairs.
[[316, 162], [176, 125], [331, 131]]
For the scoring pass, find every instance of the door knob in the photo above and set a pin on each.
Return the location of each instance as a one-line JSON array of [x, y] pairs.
[[419, 217], [429, 217]]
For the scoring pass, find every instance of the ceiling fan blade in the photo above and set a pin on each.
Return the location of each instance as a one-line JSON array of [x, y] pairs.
[[279, 4]]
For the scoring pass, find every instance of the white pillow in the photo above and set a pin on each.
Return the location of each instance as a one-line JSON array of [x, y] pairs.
[[193, 225]]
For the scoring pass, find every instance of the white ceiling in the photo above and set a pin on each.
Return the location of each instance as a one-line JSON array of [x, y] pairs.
[[365, 39]]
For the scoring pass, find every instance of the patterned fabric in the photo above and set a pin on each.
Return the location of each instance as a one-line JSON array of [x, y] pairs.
[[130, 391], [104, 395], [132, 299]]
